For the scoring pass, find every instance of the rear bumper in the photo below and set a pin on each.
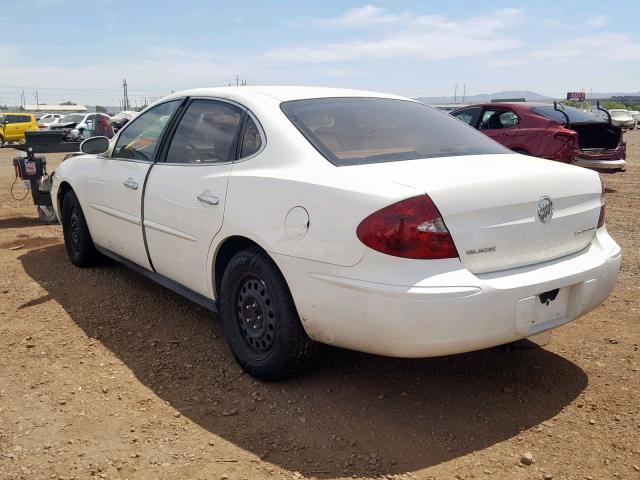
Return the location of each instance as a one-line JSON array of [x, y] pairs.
[[449, 310], [618, 165]]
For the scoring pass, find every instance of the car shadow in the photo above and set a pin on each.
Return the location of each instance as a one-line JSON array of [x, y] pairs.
[[355, 414], [19, 222]]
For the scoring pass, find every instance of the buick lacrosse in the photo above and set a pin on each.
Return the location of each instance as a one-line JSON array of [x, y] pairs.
[[357, 219]]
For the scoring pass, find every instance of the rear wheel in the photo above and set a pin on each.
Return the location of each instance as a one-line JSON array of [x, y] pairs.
[[77, 238], [260, 320]]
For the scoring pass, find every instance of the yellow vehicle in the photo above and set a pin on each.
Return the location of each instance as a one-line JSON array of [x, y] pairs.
[[13, 126]]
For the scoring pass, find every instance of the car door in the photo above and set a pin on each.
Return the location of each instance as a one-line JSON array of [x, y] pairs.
[[114, 187], [184, 200], [499, 124], [15, 127]]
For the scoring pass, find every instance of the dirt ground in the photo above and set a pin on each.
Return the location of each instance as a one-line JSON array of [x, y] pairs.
[[104, 374]]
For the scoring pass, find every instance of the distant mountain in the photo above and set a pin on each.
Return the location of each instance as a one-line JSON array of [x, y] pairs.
[[486, 97], [527, 94], [614, 94]]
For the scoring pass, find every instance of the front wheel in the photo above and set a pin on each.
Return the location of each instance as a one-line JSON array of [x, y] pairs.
[[260, 320], [77, 238]]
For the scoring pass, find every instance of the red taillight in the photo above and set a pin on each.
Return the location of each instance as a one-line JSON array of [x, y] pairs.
[[412, 228], [566, 135], [602, 208]]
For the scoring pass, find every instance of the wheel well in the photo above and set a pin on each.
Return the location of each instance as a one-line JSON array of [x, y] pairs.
[[226, 251], [62, 191]]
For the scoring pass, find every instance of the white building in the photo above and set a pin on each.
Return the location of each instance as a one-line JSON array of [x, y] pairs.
[[55, 108]]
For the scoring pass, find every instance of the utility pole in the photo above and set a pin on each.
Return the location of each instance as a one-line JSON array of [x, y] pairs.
[[125, 99], [22, 99], [464, 91], [37, 101], [455, 94]]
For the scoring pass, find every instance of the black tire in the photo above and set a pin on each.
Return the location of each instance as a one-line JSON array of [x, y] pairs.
[[260, 320], [77, 238]]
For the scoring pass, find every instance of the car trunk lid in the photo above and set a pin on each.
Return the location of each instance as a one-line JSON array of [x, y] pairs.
[[494, 206]]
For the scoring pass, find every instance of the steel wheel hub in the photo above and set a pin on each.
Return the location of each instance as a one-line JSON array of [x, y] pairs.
[[75, 230], [256, 318]]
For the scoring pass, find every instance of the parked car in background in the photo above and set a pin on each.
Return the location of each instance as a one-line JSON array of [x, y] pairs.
[[13, 126], [45, 121], [358, 219], [622, 118], [120, 119], [636, 116], [566, 135], [85, 125]]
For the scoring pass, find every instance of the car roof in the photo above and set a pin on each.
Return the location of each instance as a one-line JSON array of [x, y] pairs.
[[509, 104], [281, 93]]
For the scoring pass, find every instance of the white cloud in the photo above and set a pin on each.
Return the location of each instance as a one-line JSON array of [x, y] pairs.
[[361, 17], [425, 37], [606, 48], [597, 21], [47, 3]]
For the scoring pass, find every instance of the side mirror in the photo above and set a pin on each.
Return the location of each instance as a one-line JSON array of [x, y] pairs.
[[95, 145]]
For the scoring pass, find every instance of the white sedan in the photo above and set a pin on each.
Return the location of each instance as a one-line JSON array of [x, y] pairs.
[[357, 219]]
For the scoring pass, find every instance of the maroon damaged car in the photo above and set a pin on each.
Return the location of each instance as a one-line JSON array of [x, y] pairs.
[[556, 132]]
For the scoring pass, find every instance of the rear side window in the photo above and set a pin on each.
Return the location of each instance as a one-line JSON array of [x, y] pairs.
[[251, 140], [208, 133], [139, 141], [354, 131], [17, 119], [468, 116], [493, 119]]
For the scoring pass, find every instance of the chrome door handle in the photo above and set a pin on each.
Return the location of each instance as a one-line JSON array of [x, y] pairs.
[[206, 197], [131, 183]]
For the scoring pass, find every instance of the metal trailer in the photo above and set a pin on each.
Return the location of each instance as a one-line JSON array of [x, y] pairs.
[[32, 168]]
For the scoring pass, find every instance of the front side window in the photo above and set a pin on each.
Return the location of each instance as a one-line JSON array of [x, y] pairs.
[[354, 131], [208, 133], [139, 141], [468, 115]]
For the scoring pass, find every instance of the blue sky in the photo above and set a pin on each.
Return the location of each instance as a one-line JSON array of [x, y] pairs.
[[81, 50]]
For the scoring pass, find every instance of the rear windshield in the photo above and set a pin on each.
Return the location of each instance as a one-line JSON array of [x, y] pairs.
[[72, 118], [619, 113], [354, 131], [575, 115]]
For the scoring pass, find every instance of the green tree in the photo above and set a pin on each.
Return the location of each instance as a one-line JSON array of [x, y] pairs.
[[575, 104], [608, 104]]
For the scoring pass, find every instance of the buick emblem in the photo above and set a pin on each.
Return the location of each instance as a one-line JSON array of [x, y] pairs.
[[545, 209]]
